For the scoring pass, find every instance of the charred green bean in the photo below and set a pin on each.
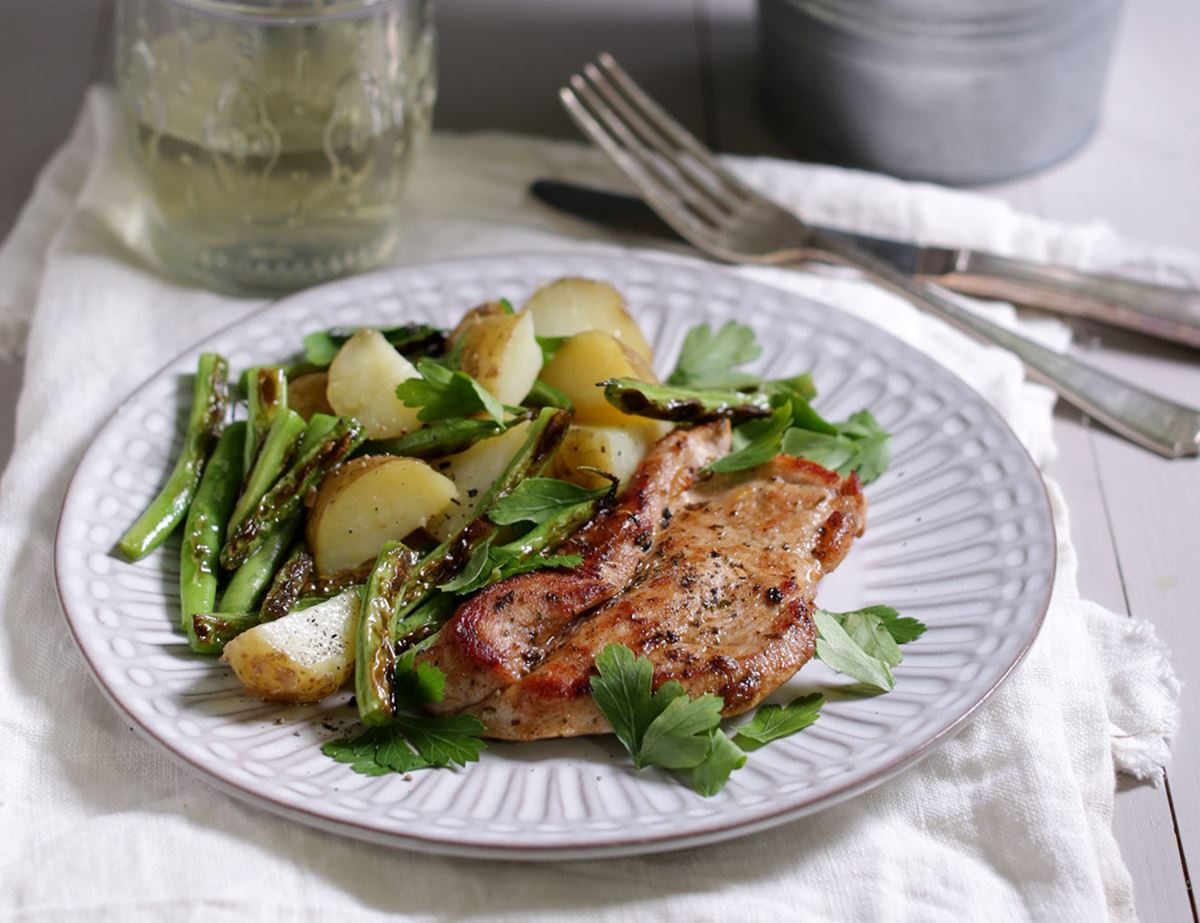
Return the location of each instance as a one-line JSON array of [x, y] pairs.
[[205, 421]]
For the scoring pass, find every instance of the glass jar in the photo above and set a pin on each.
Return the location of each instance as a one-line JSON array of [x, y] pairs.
[[272, 137]]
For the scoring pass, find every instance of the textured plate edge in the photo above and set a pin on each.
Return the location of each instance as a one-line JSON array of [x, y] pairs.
[[659, 843]]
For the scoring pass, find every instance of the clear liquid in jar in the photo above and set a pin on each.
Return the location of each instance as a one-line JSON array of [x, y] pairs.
[[277, 161]]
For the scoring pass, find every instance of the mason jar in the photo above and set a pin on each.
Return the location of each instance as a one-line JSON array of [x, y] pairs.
[[272, 137]]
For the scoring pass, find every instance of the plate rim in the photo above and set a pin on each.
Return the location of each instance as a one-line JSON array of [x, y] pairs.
[[447, 843]]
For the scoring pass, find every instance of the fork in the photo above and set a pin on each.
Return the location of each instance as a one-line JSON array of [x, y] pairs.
[[719, 214]]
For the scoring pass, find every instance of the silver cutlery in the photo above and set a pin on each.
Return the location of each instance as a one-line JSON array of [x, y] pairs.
[[1163, 311], [717, 213]]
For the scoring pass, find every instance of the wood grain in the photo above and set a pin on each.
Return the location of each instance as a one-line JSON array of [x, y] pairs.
[[1143, 819]]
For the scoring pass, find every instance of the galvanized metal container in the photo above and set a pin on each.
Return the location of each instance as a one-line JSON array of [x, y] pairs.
[[955, 91]]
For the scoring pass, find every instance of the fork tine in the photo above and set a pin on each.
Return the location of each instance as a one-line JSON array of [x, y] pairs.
[[662, 165], [669, 127], [706, 183], [651, 189]]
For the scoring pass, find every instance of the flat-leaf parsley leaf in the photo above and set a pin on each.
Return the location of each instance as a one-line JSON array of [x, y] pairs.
[[707, 359], [442, 394], [771, 722]]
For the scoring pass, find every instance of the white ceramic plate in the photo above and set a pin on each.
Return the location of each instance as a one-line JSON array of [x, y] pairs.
[[959, 535]]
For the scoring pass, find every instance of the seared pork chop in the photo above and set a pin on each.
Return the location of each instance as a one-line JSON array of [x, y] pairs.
[[504, 631], [721, 602]]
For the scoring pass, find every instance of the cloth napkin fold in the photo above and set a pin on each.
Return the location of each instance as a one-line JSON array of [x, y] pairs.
[[1011, 819]]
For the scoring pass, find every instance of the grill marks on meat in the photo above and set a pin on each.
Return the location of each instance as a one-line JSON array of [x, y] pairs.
[[722, 602], [503, 632]]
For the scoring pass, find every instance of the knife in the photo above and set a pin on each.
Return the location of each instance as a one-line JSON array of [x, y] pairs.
[[1161, 311]]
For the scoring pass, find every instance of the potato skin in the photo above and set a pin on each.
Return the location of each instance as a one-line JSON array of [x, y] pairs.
[[502, 354], [587, 359], [300, 658], [306, 394], [471, 318], [572, 305], [369, 501], [362, 384]]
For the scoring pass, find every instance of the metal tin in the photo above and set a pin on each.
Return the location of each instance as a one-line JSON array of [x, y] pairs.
[[954, 91]]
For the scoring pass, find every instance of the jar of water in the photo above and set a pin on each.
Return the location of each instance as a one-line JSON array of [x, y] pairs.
[[272, 137]]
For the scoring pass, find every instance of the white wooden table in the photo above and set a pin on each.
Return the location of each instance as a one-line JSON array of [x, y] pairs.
[[1135, 518]]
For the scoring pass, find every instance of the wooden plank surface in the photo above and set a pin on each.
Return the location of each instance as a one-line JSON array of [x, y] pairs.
[[1136, 519], [1143, 819]]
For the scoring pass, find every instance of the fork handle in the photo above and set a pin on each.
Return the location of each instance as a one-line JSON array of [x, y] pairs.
[[1158, 424]]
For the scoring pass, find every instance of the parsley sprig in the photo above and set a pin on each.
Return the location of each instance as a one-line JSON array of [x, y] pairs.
[[708, 358], [442, 394], [410, 742], [554, 508], [773, 722], [707, 363], [864, 644], [666, 728]]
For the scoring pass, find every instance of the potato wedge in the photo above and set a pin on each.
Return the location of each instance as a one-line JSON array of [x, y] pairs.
[[615, 449], [502, 354], [571, 305], [362, 384], [306, 394], [300, 658], [585, 360], [369, 501], [473, 472]]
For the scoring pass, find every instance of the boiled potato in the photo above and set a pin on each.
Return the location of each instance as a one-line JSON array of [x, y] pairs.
[[587, 359], [615, 449], [472, 317], [474, 471], [369, 501], [302, 657], [362, 384], [570, 306], [306, 394], [502, 354]]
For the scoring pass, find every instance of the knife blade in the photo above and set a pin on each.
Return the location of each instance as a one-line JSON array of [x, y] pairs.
[[1161, 311]]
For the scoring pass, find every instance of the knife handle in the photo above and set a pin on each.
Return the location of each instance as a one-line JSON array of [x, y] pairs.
[[1157, 310]]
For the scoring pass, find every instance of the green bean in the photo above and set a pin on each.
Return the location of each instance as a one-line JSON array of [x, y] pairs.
[[273, 458], [325, 587], [375, 658], [548, 535], [282, 501], [204, 529], [211, 631], [253, 577], [546, 395], [266, 399], [424, 621], [319, 426], [683, 405], [288, 585], [205, 421], [443, 437]]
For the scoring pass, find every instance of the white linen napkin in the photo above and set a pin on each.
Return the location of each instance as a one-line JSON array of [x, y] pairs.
[[1009, 820]]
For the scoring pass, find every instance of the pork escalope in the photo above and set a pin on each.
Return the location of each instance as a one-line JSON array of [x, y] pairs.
[[711, 579], [503, 631]]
